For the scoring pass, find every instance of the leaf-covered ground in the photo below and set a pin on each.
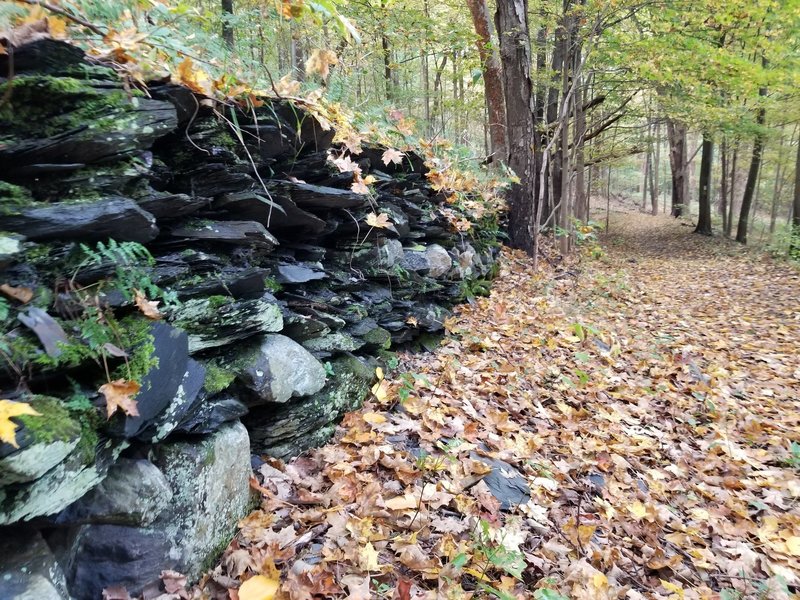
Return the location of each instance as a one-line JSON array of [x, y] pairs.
[[650, 397]]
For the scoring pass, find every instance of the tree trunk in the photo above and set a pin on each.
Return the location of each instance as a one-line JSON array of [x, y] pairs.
[[581, 207], [298, 62], [723, 185], [492, 78], [654, 182], [646, 170], [511, 21], [676, 134], [732, 190], [752, 176], [227, 29], [704, 196]]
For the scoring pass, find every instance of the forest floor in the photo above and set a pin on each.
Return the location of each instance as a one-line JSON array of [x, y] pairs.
[[650, 398]]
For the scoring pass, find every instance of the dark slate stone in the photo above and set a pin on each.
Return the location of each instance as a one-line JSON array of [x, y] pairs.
[[505, 482], [211, 326], [29, 570], [211, 180], [274, 138], [101, 556], [311, 168], [238, 283], [185, 398], [207, 416], [160, 385], [278, 212], [298, 274], [182, 98], [44, 56], [414, 261], [241, 233], [303, 327], [172, 206], [133, 127], [306, 195], [312, 136], [113, 217]]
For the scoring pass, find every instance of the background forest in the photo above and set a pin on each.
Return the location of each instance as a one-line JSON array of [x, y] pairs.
[[687, 107]]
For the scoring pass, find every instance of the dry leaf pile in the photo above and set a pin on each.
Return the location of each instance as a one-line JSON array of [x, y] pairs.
[[651, 400]]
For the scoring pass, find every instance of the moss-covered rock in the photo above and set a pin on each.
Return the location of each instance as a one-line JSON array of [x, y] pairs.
[[45, 440], [309, 422]]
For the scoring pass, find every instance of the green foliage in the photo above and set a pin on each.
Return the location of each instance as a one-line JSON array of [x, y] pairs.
[[470, 288], [131, 262]]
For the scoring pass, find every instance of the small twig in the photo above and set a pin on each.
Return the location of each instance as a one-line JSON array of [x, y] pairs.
[[60, 11]]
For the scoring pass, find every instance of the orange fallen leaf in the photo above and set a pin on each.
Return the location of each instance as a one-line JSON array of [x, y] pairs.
[[149, 308], [119, 395]]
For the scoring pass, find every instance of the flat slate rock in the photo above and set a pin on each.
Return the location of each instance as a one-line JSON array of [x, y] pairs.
[[241, 233], [114, 217], [298, 274], [310, 196], [505, 482], [160, 385]]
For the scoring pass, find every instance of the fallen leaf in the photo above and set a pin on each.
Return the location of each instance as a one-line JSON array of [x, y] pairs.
[[149, 308], [380, 221], [357, 587], [8, 428], [21, 294], [119, 395], [392, 155], [258, 587]]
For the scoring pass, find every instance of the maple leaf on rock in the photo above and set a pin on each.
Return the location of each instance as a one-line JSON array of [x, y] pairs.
[[149, 308], [392, 155], [8, 428], [380, 221], [119, 395]]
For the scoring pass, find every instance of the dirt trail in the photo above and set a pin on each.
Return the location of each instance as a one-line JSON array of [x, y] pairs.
[[650, 399]]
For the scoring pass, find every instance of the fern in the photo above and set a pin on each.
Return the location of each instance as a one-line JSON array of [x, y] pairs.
[[132, 262]]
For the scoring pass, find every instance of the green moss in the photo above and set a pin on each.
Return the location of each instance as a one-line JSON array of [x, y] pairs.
[[43, 105], [217, 378], [136, 337], [215, 302], [271, 285], [13, 197], [54, 422]]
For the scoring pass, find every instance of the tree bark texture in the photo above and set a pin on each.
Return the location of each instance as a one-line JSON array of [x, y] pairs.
[[752, 176], [704, 195], [676, 134], [511, 20], [227, 29], [492, 78]]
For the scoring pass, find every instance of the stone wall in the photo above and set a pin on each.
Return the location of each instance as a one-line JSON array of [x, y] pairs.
[[278, 300]]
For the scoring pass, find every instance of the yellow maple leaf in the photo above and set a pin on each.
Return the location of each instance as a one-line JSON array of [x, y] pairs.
[[367, 558], [793, 545], [8, 409], [674, 588], [259, 587], [638, 510], [373, 418]]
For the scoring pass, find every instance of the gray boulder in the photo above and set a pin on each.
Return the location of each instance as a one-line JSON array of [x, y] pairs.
[[414, 260], [134, 492], [439, 260], [292, 428], [276, 369], [209, 482], [505, 482]]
